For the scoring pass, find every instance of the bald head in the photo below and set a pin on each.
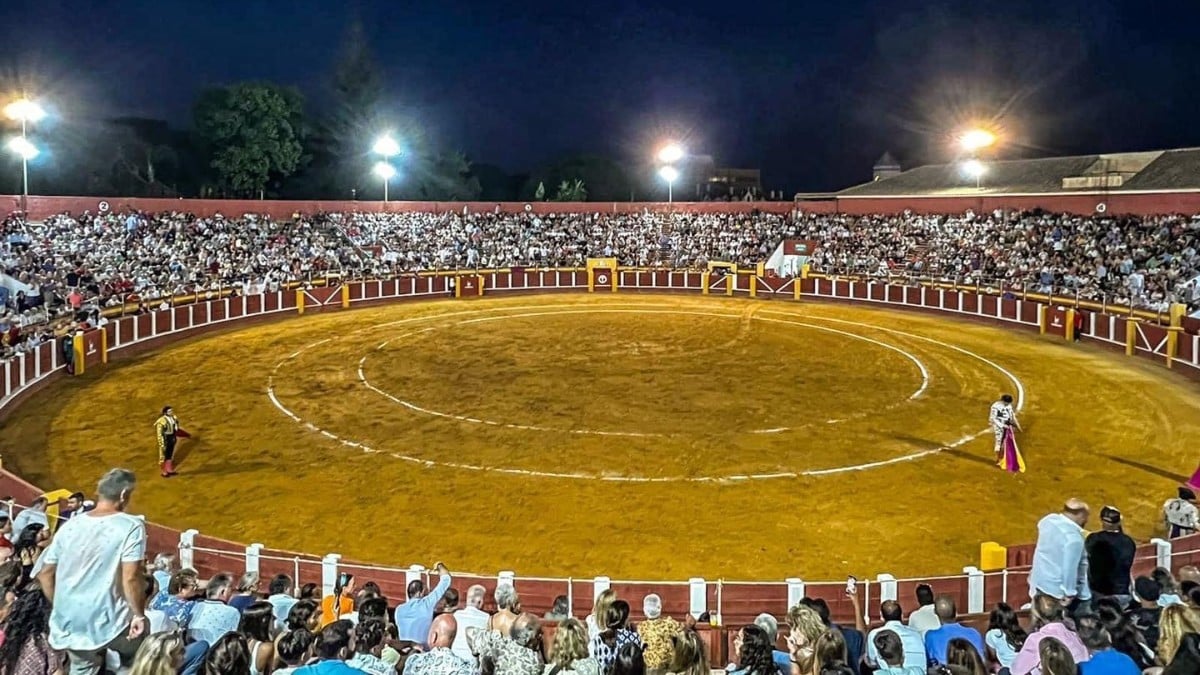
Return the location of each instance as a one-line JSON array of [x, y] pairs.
[[1189, 573], [525, 629], [945, 609], [890, 610], [442, 631], [1077, 510]]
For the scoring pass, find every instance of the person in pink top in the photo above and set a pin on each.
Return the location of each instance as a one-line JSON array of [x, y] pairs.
[[1048, 616]]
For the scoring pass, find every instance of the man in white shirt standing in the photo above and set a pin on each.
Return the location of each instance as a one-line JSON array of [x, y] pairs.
[[924, 619], [93, 574], [471, 616], [281, 599], [1060, 566]]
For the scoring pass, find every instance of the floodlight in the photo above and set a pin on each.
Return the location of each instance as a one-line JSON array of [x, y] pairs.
[[386, 146], [23, 148]]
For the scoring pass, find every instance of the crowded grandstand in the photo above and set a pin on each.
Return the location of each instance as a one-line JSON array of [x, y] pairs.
[[78, 266]]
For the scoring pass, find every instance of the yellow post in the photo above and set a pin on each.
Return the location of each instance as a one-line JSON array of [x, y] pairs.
[[992, 556], [754, 285], [457, 286], [299, 300], [730, 280], [704, 283], [80, 350], [1178, 310], [103, 346], [804, 271], [1043, 319], [1131, 337], [796, 288], [616, 275], [1173, 343], [1070, 327], [345, 296], [479, 284], [591, 281], [54, 497]]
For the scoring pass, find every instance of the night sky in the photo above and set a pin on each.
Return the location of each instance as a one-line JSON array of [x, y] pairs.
[[810, 92]]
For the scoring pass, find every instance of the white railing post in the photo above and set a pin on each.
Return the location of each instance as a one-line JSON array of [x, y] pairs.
[[887, 587], [506, 578], [795, 591], [974, 590], [414, 573], [329, 573], [599, 585], [187, 556], [1162, 553], [253, 553], [697, 596]]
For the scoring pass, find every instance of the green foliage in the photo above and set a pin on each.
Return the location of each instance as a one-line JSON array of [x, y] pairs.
[[606, 180], [540, 193], [571, 191], [438, 177], [252, 134]]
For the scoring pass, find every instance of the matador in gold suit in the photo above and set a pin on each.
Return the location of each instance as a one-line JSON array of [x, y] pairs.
[[166, 429]]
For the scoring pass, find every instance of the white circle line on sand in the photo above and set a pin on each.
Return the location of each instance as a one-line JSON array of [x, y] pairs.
[[629, 434], [665, 479]]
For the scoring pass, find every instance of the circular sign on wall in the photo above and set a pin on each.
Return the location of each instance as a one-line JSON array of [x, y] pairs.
[[103, 206], [528, 208], [1101, 207]]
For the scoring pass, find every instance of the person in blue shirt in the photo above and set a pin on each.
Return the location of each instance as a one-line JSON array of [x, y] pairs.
[[414, 617], [332, 647], [1105, 660], [938, 639]]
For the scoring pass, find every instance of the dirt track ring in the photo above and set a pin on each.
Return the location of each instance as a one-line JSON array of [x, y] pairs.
[[1020, 391], [921, 368]]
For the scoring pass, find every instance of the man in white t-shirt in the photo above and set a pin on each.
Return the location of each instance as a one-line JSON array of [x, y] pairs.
[[471, 616], [93, 574]]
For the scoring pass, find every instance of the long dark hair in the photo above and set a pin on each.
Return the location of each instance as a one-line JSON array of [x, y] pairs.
[[1004, 619], [228, 656], [257, 620], [755, 654], [629, 660], [1125, 636], [962, 653], [301, 613], [615, 618], [30, 618], [27, 540]]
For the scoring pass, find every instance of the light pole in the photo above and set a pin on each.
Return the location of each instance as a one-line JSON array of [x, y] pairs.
[[387, 147], [26, 112], [667, 156], [669, 174], [385, 171], [975, 169]]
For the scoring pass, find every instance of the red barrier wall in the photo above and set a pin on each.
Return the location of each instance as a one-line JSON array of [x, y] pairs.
[[1113, 203], [41, 207]]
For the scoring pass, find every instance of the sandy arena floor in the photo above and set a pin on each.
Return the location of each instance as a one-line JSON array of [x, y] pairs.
[[644, 437]]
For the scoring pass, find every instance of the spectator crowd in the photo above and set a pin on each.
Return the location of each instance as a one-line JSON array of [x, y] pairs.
[[86, 600], [68, 269]]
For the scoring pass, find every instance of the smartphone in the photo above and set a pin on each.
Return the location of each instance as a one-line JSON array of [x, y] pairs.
[[851, 585]]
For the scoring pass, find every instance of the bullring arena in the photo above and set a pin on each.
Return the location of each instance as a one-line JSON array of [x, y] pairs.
[[662, 426]]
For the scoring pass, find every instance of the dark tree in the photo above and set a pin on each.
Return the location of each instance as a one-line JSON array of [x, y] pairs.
[[252, 134]]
